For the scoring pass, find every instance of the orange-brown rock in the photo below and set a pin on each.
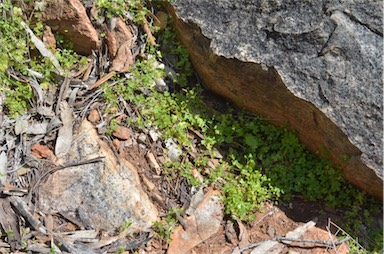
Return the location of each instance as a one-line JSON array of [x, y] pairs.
[[120, 42], [40, 151], [200, 226], [49, 39], [69, 18], [94, 116], [121, 132]]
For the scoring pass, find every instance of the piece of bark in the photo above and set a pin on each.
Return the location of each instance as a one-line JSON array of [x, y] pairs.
[[9, 224], [23, 209]]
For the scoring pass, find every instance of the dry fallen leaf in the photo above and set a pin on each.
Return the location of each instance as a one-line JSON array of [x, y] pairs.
[[64, 139], [3, 167], [123, 59]]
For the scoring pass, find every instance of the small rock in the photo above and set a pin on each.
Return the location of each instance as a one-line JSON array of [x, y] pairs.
[[70, 19], [124, 59], [160, 85], [116, 143], [196, 199], [173, 150], [129, 143], [94, 116], [122, 132], [37, 128], [204, 223], [271, 231], [243, 235], [121, 118], [153, 134], [142, 138], [316, 233], [121, 41], [40, 152]]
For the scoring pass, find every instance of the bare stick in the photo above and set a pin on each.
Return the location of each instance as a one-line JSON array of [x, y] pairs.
[[102, 80], [322, 242], [282, 239]]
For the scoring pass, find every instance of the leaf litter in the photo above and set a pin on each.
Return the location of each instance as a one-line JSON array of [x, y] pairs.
[[33, 146]]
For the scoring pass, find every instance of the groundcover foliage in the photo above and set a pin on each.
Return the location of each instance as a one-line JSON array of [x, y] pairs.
[[261, 162]]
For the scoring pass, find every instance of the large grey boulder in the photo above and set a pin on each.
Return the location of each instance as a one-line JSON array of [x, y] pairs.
[[316, 65]]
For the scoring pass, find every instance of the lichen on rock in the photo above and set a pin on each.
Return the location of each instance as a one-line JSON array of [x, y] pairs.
[[316, 65]]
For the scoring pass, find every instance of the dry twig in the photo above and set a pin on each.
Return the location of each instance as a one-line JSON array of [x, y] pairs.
[[102, 80]]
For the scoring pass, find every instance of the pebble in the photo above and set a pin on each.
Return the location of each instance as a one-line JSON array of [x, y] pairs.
[[142, 138], [153, 134], [116, 143], [121, 132], [160, 85], [173, 151]]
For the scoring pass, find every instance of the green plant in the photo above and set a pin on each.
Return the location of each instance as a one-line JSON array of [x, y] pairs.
[[112, 8], [262, 162], [120, 249], [16, 62], [126, 224], [164, 227], [246, 189]]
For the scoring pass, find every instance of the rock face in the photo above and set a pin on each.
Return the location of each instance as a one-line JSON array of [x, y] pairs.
[[69, 18], [200, 226], [314, 65], [104, 194]]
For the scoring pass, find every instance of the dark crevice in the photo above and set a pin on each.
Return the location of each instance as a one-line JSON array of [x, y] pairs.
[[323, 50], [355, 19]]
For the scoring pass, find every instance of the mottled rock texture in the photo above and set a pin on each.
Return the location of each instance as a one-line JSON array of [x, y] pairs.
[[69, 18], [102, 195], [200, 226], [316, 65]]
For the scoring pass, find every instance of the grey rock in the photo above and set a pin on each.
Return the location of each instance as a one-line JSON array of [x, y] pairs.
[[174, 151], [160, 85], [326, 52], [154, 135], [103, 194], [142, 138]]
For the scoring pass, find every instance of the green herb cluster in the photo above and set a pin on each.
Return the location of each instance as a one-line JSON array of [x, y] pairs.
[[262, 162], [19, 58]]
